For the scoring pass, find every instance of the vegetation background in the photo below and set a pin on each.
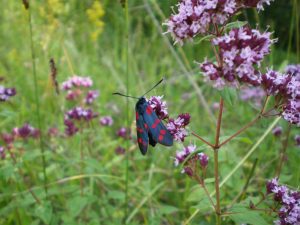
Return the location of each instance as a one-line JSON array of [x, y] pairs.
[[89, 38]]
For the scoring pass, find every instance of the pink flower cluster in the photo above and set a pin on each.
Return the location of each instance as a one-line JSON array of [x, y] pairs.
[[177, 127], [288, 200], [106, 121], [6, 93], [77, 91], [76, 87], [240, 54], [286, 89], [91, 96], [182, 155], [291, 110], [293, 69], [26, 131], [196, 16], [76, 82], [23, 133], [185, 153], [159, 106], [79, 113]]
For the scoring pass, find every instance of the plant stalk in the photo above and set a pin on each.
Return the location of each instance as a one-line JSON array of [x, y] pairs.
[[216, 162], [36, 93]]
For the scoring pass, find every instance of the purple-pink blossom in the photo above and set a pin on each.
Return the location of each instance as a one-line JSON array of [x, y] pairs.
[[240, 53], [26, 131], [77, 81], [123, 132], [183, 154], [177, 127], [106, 121], [79, 113], [159, 106], [6, 93], [288, 202], [277, 131], [8, 138], [275, 82], [293, 69], [256, 3], [291, 110], [120, 150], [91, 96], [70, 127], [193, 17], [203, 159]]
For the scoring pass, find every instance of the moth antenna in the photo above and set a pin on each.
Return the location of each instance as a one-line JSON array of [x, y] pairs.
[[154, 86], [127, 96]]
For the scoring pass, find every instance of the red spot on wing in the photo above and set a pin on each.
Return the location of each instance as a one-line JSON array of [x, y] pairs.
[[160, 137], [149, 110], [146, 125], [136, 115], [163, 132], [157, 121], [140, 140], [140, 130]]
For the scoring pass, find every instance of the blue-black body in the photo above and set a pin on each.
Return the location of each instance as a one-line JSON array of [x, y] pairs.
[[150, 129]]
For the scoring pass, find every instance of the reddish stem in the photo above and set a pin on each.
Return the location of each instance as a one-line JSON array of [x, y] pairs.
[[261, 113], [201, 139], [283, 151]]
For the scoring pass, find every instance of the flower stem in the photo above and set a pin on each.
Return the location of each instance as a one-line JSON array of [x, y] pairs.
[[216, 162], [283, 151], [259, 116], [202, 184], [240, 131], [203, 140], [81, 160], [37, 102], [217, 186]]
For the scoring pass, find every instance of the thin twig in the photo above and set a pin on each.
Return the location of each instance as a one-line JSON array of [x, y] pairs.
[[283, 151], [203, 140]]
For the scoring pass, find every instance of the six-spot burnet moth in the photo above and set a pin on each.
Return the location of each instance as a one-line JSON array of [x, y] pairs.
[[149, 128]]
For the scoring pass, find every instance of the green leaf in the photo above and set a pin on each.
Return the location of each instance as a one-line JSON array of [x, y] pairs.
[[205, 38], [116, 195], [229, 95], [196, 194], [204, 205], [7, 171], [236, 24], [44, 212], [242, 214], [76, 205], [209, 180], [167, 209]]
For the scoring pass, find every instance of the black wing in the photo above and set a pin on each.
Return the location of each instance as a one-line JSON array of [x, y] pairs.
[[157, 130], [142, 133]]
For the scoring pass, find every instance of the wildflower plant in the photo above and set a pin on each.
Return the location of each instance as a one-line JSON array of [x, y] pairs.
[[239, 51], [95, 15]]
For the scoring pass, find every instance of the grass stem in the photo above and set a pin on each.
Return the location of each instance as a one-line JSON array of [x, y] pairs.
[[37, 101]]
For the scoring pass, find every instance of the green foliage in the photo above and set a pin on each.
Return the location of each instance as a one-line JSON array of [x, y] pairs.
[[157, 193]]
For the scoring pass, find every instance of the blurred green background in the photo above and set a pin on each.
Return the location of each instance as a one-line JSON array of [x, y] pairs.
[[88, 38]]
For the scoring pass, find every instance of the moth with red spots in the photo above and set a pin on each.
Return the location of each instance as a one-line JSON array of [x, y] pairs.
[[149, 128]]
